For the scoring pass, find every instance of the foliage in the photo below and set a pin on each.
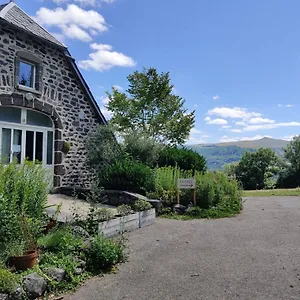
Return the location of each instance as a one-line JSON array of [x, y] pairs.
[[102, 149], [142, 147], [128, 175], [290, 176], [93, 218], [141, 205], [8, 281], [149, 106], [292, 154], [124, 209], [185, 159], [213, 189], [68, 263], [103, 254], [256, 168], [230, 170], [24, 187], [61, 241]]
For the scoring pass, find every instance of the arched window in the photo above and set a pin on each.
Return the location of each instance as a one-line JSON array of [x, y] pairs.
[[26, 134]]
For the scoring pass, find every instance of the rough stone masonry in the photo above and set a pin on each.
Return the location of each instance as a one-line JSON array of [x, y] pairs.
[[59, 94]]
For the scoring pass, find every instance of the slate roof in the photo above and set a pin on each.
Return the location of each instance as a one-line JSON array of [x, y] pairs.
[[17, 17], [2, 6]]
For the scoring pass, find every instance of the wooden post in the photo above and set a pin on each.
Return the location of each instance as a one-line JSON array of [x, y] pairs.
[[178, 201], [195, 200]]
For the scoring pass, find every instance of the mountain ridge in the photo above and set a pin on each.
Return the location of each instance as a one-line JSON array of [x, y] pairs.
[[219, 154]]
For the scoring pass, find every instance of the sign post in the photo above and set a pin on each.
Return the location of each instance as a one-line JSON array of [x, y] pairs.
[[186, 183]]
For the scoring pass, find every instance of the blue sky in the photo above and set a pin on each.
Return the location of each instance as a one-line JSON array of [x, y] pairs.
[[237, 63]]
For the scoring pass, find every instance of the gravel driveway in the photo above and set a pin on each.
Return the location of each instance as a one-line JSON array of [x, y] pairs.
[[252, 256]]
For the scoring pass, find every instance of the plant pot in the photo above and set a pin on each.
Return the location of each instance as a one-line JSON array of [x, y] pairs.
[[26, 261]]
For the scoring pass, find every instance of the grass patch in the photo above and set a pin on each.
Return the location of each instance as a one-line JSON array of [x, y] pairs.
[[268, 193]]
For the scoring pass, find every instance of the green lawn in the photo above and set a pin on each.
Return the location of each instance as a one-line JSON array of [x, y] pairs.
[[277, 192]]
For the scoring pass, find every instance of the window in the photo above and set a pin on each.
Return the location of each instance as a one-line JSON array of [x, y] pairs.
[[27, 74], [10, 114]]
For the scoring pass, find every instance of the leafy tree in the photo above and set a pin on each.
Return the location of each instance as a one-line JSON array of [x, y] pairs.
[[142, 148], [185, 159], [290, 176], [292, 154], [149, 106], [102, 149], [230, 169], [256, 169]]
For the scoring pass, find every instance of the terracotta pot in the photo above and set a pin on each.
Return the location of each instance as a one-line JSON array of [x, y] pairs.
[[26, 261]]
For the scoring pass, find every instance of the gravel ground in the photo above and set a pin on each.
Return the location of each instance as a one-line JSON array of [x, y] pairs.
[[252, 256]]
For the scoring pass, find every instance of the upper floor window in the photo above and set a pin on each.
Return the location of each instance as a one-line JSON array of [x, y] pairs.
[[27, 72]]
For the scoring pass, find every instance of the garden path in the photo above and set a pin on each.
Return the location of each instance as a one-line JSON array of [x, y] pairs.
[[69, 205], [252, 256]]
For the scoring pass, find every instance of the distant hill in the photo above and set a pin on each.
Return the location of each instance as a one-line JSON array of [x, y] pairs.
[[219, 154]]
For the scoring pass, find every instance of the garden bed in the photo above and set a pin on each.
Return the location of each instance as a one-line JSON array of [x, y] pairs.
[[128, 223]]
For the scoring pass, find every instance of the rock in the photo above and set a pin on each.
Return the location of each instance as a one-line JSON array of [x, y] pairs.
[[80, 231], [179, 209], [81, 264], [56, 274], [3, 297], [34, 285], [78, 271], [18, 294]]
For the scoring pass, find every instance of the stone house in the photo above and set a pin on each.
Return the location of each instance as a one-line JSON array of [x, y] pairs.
[[46, 107]]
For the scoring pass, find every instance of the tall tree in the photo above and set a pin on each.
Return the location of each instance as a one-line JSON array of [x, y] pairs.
[[149, 106], [255, 169], [292, 154]]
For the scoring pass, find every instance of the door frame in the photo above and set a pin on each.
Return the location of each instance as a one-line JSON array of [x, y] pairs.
[[24, 128]]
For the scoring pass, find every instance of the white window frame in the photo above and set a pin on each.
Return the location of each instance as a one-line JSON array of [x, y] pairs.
[[33, 74], [25, 127]]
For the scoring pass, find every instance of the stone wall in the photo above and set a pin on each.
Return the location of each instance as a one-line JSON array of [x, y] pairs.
[[59, 94]]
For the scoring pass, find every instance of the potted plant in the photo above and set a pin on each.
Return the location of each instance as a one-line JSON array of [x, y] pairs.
[[24, 250]]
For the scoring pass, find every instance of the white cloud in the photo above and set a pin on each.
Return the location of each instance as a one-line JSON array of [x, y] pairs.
[[271, 126], [104, 59], [76, 33], [60, 37], [225, 138], [240, 123], [226, 126], [236, 130], [260, 121], [287, 137], [74, 22], [85, 2], [195, 131], [117, 87], [285, 105], [102, 102], [217, 122], [207, 119], [233, 113], [216, 97]]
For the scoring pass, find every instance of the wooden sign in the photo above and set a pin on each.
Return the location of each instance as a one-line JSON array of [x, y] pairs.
[[186, 183]]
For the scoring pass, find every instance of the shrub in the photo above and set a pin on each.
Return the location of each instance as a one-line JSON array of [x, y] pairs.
[[103, 254], [127, 175], [25, 188], [124, 209], [102, 149], [66, 262], [61, 240], [8, 281], [142, 148], [141, 205], [185, 159]]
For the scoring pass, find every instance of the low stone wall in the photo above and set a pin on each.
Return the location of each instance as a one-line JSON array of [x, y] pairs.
[[128, 223]]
